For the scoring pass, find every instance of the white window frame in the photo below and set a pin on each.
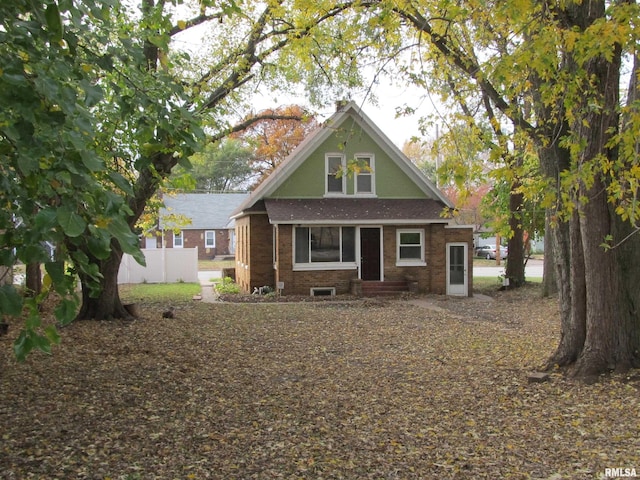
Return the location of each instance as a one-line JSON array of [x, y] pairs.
[[206, 239], [372, 165], [410, 262], [178, 239], [323, 265], [343, 164]]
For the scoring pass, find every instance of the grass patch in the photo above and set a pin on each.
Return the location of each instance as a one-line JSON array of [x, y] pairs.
[[215, 264], [159, 292]]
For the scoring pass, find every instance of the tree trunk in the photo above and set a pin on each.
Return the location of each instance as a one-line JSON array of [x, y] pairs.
[[107, 304], [570, 273], [33, 279], [549, 283], [515, 255], [608, 306]]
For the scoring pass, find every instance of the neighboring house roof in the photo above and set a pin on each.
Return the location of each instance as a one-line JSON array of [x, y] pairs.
[[341, 210], [313, 141], [207, 211]]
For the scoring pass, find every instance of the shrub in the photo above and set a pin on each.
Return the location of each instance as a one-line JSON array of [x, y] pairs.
[[227, 286]]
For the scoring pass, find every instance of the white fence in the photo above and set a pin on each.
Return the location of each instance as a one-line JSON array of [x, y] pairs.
[[164, 265]]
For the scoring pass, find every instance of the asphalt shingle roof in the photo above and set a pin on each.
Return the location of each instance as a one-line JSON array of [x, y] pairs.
[[355, 210], [207, 211]]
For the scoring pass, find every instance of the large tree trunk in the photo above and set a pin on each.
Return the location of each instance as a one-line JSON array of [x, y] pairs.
[[106, 305], [104, 302], [515, 256], [603, 302]]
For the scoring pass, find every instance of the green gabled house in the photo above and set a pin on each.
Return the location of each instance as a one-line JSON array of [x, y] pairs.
[[347, 212]]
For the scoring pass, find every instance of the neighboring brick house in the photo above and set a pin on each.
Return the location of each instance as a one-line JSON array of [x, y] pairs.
[[307, 230], [211, 229]]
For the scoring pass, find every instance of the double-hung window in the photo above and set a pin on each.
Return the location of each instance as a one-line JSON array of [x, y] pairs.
[[178, 239], [335, 168], [364, 177], [323, 247], [410, 247], [210, 239]]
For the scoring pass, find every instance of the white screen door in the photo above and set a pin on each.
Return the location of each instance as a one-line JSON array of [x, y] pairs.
[[457, 275]]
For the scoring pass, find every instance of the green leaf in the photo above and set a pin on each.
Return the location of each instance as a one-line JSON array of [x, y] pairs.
[[10, 301], [127, 239], [65, 312], [55, 271], [22, 346], [51, 332], [72, 223], [54, 21]]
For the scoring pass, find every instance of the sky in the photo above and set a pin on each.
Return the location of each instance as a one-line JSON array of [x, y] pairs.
[[398, 129]]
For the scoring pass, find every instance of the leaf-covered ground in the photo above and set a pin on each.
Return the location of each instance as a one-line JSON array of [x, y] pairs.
[[398, 389]]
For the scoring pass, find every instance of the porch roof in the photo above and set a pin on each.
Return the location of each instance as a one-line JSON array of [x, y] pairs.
[[354, 210]]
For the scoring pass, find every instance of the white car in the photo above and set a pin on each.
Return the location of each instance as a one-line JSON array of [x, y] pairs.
[[489, 252]]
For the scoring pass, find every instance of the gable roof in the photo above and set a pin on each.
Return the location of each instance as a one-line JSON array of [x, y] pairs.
[[207, 211], [318, 136]]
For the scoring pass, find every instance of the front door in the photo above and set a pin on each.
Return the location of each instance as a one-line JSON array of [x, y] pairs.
[[370, 254], [457, 283]]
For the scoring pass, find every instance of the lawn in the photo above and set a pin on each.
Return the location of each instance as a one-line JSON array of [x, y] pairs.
[[432, 388]]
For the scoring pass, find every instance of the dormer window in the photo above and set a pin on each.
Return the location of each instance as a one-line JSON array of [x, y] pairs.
[[334, 173], [364, 175]]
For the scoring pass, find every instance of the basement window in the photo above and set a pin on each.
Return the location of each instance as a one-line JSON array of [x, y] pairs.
[[323, 292]]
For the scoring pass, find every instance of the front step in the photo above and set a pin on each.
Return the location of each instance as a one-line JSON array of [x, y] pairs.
[[375, 289]]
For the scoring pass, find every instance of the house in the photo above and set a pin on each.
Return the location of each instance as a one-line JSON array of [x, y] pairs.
[[347, 211], [210, 228]]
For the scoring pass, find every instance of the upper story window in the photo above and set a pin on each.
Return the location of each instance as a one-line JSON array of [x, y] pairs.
[[334, 173], [210, 239], [364, 174], [178, 239]]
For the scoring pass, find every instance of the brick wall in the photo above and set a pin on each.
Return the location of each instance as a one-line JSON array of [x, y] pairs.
[[195, 238], [300, 283], [431, 279], [254, 265]]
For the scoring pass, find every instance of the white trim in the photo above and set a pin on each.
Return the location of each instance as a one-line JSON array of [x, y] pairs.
[[206, 245], [343, 178], [413, 262], [319, 266], [312, 291], [458, 290], [368, 223], [179, 235], [372, 174]]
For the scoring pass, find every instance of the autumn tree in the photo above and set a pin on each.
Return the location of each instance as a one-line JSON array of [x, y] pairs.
[[222, 166], [421, 155], [552, 70], [274, 134], [161, 100]]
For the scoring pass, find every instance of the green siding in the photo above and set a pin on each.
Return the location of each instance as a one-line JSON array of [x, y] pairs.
[[308, 180]]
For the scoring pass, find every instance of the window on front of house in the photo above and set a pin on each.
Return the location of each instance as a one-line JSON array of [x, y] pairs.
[[178, 239], [410, 247], [365, 180], [334, 169], [324, 245], [210, 239]]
